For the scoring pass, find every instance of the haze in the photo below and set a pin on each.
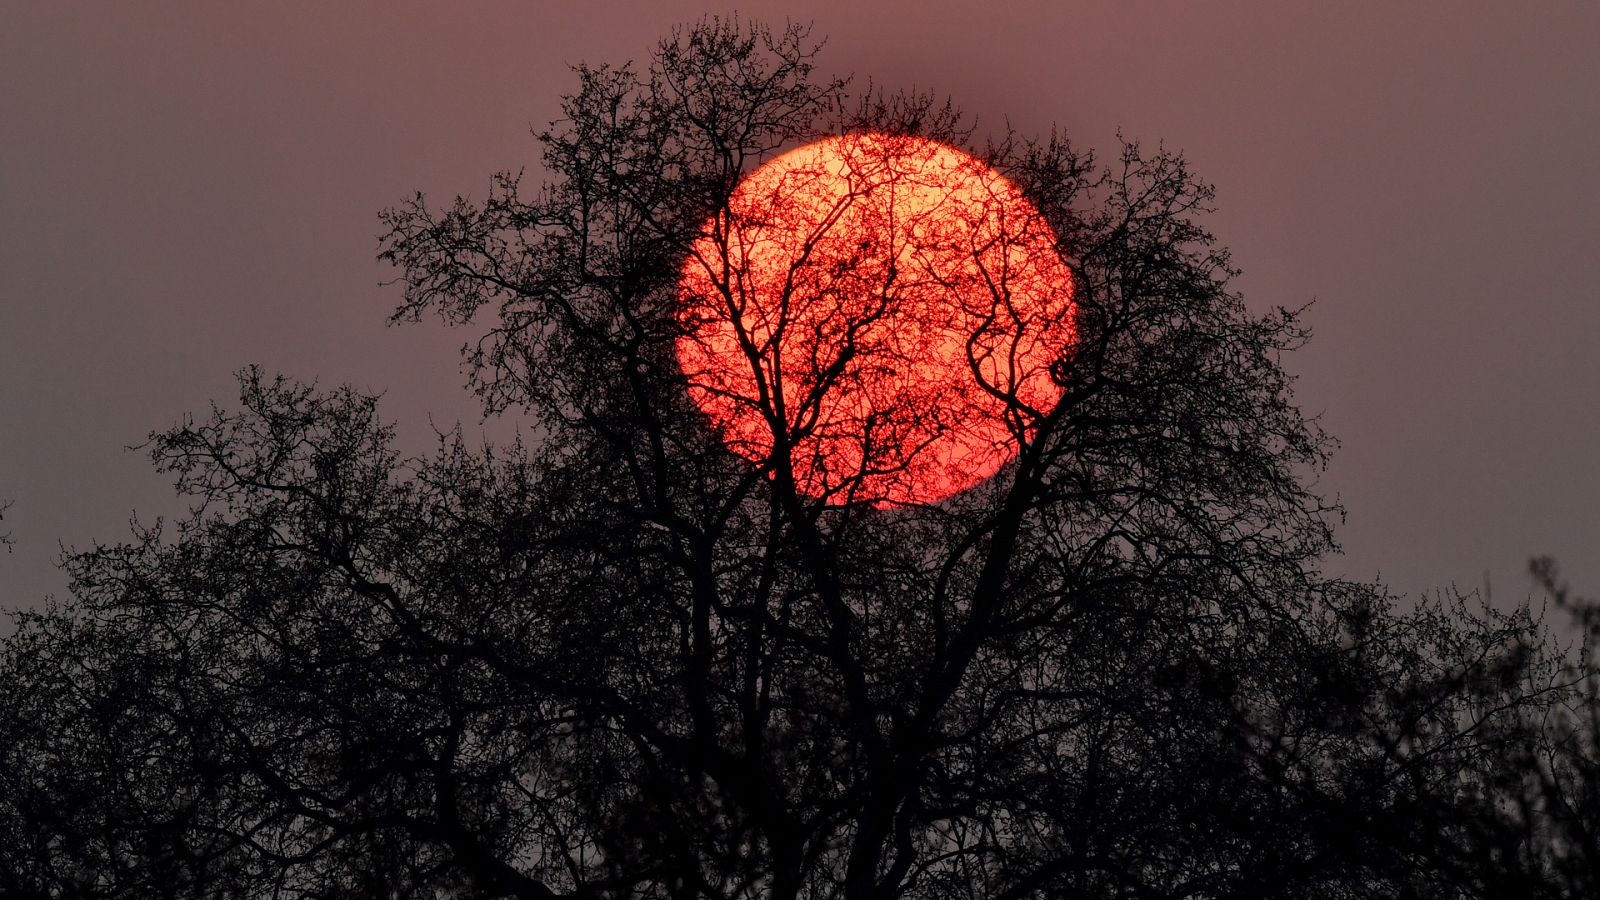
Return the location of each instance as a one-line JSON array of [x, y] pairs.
[[186, 188]]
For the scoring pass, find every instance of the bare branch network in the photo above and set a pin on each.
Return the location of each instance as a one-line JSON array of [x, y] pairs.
[[970, 552]]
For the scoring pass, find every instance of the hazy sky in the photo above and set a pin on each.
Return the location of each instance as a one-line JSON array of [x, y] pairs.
[[186, 188]]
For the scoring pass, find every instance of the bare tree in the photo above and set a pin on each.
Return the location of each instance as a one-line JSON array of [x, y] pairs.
[[648, 654]]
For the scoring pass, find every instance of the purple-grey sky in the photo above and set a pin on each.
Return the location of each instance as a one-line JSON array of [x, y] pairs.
[[189, 187]]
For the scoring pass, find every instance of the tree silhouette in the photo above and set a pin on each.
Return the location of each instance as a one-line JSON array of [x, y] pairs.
[[645, 654]]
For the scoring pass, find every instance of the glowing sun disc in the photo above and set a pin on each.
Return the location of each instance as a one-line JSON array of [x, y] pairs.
[[885, 309]]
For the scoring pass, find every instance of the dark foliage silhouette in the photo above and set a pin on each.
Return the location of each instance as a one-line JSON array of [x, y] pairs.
[[618, 659]]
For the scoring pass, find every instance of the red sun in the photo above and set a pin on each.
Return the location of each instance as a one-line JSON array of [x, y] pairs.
[[884, 310]]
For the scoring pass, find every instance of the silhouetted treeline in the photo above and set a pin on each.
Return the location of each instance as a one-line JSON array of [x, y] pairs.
[[621, 660]]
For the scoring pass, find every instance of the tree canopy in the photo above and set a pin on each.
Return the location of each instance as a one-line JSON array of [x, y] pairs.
[[626, 656]]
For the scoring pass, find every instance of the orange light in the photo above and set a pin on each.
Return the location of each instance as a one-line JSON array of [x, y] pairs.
[[882, 306]]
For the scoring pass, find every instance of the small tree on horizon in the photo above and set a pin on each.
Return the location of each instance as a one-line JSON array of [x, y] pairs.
[[620, 659]]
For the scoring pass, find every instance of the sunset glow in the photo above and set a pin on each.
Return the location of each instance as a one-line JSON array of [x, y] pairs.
[[887, 308]]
